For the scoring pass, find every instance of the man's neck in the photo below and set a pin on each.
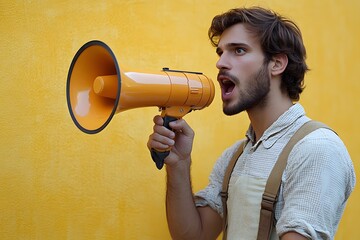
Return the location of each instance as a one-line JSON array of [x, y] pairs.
[[264, 115]]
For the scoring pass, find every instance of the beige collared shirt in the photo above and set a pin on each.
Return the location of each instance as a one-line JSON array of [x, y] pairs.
[[316, 183]]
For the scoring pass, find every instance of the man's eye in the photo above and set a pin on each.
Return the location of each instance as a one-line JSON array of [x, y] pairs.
[[239, 51]]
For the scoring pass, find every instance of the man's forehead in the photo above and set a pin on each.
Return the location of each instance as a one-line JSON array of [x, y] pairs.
[[237, 34]]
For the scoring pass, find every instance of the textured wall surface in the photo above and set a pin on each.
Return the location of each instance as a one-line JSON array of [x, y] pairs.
[[59, 183]]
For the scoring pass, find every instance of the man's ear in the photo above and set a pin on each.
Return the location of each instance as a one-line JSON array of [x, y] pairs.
[[278, 64]]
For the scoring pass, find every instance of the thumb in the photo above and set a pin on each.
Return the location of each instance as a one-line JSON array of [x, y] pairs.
[[182, 126]]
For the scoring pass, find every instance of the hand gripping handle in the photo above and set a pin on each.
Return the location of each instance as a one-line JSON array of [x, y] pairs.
[[159, 156]]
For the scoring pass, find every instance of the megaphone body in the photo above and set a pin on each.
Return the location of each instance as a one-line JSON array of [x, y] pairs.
[[97, 89]]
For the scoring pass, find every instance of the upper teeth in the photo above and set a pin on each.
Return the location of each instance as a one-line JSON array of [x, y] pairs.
[[226, 81]]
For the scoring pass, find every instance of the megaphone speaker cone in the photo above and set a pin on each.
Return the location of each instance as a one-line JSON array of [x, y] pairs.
[[91, 102]]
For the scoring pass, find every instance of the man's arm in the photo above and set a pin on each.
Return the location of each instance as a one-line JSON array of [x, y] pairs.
[[314, 210], [185, 220]]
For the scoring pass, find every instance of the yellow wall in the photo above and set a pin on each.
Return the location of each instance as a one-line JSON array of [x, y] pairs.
[[59, 183]]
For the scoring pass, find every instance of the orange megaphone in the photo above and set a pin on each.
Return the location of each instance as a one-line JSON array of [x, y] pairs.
[[96, 90]]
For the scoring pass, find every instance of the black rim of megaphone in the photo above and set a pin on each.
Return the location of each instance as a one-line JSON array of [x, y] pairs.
[[77, 55]]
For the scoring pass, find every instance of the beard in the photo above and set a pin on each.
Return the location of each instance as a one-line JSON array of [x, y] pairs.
[[253, 94]]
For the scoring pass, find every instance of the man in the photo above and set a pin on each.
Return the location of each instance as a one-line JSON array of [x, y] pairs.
[[261, 70]]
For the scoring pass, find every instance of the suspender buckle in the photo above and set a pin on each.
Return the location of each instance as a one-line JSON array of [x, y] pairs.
[[268, 201]]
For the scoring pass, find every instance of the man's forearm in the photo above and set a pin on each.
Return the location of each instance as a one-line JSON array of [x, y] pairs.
[[183, 218]]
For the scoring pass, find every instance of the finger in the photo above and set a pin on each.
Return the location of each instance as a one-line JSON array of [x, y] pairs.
[[161, 130], [158, 120], [159, 146], [159, 142]]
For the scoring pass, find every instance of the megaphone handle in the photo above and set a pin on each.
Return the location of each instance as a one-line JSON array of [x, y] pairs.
[[159, 157]]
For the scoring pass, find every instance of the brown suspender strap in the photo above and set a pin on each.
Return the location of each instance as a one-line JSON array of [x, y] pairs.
[[274, 181], [225, 185]]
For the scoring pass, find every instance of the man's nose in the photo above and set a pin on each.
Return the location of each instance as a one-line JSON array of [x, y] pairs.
[[222, 63]]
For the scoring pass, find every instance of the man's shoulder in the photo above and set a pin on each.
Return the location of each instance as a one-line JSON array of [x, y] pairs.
[[322, 137], [323, 144]]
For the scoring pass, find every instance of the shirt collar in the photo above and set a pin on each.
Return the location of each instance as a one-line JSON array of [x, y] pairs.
[[276, 130]]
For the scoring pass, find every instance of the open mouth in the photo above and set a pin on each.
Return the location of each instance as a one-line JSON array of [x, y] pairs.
[[227, 86]]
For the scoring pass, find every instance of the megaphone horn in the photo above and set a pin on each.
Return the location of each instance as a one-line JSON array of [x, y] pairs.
[[96, 89]]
